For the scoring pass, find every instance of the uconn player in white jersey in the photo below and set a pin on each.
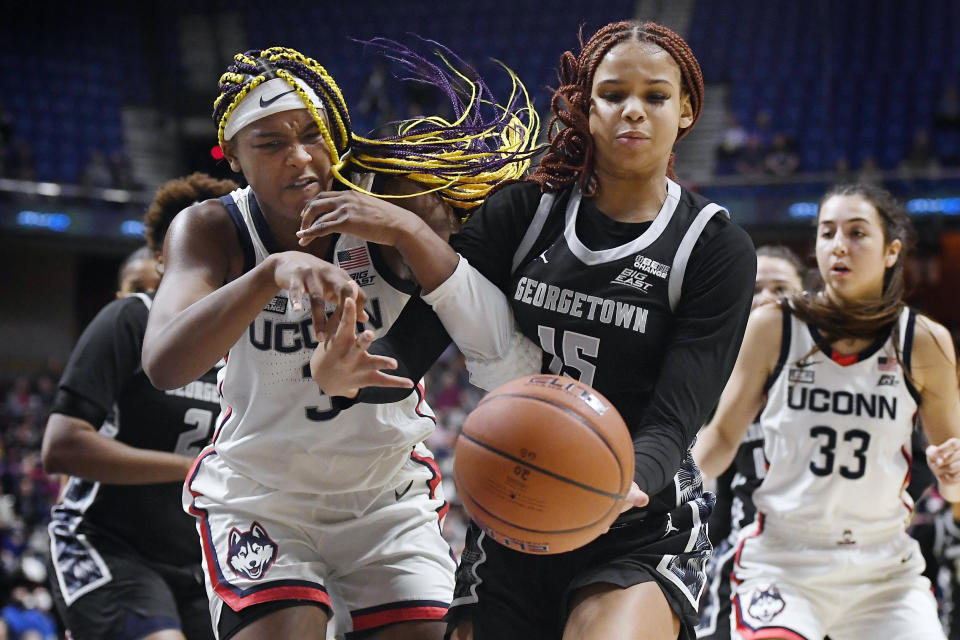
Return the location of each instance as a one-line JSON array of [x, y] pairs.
[[619, 277], [847, 369], [304, 508], [779, 273]]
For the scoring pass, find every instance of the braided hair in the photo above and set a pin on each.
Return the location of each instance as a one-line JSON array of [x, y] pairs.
[[570, 157], [487, 142], [176, 195]]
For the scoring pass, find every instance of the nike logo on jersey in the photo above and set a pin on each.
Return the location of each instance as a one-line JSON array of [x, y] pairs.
[[806, 363], [400, 494], [581, 305], [266, 103]]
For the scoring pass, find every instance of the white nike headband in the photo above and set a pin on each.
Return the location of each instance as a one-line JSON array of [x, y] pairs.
[[266, 99]]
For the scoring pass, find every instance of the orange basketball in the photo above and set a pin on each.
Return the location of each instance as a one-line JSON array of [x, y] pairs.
[[543, 463]]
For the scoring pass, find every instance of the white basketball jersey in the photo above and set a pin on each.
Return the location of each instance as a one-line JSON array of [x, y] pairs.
[[837, 434], [275, 426]]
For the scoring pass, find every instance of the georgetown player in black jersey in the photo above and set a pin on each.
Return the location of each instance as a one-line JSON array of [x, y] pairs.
[[617, 276], [840, 375], [779, 273], [126, 558]]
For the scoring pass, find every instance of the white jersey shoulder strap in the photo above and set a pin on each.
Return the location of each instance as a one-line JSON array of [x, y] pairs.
[[533, 230], [682, 257]]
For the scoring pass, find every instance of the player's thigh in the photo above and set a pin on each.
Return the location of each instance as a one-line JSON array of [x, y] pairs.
[[412, 630], [304, 622], [166, 634], [609, 612], [461, 630], [774, 608], [135, 603]]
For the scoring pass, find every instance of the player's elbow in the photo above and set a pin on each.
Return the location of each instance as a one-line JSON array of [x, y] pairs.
[[162, 371], [54, 451]]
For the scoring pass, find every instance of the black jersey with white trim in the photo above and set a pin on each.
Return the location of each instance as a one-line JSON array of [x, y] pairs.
[[105, 371], [598, 296]]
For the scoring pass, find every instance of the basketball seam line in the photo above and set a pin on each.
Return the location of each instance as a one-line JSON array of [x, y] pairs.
[[546, 472], [573, 413], [510, 523]]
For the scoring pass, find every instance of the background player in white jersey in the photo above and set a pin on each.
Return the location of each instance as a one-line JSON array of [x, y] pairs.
[[779, 274], [126, 559], [305, 507], [845, 369], [662, 282]]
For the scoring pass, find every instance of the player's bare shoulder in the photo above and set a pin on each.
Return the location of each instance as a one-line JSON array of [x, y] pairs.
[[206, 229], [933, 350]]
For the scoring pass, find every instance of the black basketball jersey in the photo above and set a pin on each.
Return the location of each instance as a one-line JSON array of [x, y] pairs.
[[650, 314], [104, 369]]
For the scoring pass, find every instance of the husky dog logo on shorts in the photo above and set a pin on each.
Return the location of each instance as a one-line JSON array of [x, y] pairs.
[[251, 552], [766, 604]]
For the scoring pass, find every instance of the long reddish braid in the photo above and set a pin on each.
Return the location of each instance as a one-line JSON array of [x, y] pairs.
[[569, 158]]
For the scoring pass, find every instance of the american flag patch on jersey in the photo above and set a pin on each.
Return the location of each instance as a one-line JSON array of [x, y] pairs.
[[353, 258], [886, 364]]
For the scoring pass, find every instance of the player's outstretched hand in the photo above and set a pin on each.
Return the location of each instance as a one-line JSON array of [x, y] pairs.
[[635, 498], [357, 214], [341, 365], [944, 461], [305, 275]]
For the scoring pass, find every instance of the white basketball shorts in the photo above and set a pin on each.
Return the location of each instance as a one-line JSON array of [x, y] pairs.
[[786, 587], [373, 557]]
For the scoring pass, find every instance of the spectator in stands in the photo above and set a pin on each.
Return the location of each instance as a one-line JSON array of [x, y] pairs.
[[921, 159], [6, 127], [842, 173], [97, 171], [948, 109], [732, 142], [762, 127], [751, 159], [121, 171], [781, 158], [374, 102], [20, 161], [869, 172]]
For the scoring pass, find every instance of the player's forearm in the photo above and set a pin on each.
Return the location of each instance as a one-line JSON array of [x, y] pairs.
[[429, 256], [713, 453], [179, 348], [83, 452]]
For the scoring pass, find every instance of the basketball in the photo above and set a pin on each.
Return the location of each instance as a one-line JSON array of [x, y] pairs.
[[543, 463]]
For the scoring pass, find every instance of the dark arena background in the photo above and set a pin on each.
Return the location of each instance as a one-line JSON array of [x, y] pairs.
[[102, 102]]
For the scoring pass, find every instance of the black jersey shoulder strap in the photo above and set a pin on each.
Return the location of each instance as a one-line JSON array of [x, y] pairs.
[[682, 257], [533, 231], [908, 325], [243, 232], [147, 300]]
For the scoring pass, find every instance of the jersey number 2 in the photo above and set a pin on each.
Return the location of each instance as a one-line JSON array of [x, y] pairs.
[[191, 441], [574, 350]]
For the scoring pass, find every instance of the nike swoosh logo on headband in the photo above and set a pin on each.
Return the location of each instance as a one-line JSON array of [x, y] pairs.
[[266, 103]]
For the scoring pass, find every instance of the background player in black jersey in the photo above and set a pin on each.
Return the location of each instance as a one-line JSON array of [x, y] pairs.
[[138, 273], [126, 558], [627, 282], [779, 273], [828, 553]]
